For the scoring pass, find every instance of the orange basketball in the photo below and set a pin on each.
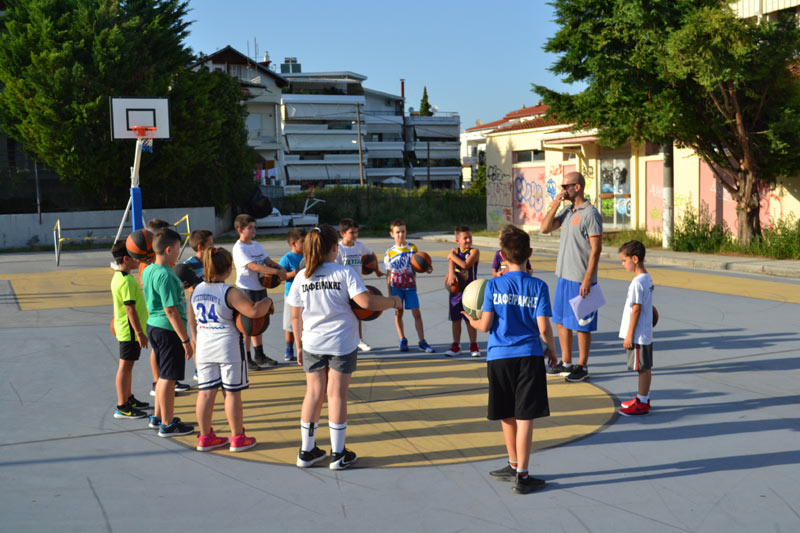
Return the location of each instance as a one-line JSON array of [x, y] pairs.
[[366, 314], [458, 283], [369, 264], [140, 245], [655, 316], [251, 326], [420, 262], [269, 281]]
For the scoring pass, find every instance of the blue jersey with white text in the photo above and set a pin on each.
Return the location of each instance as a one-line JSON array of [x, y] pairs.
[[516, 299]]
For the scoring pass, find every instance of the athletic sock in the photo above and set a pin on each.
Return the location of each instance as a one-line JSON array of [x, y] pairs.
[[121, 407], [522, 473], [337, 436], [308, 432], [289, 346], [567, 365], [249, 357], [512, 465], [643, 399], [259, 351]]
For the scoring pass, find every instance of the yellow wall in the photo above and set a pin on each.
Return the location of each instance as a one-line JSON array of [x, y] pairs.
[[781, 202]]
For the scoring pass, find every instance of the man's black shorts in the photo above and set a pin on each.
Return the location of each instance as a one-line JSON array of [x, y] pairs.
[[170, 354], [517, 388]]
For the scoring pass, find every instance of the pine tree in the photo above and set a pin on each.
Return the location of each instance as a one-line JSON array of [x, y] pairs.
[[424, 106]]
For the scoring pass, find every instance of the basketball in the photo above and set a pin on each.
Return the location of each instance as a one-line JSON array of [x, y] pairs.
[[366, 314], [251, 326], [473, 298], [140, 245], [420, 262], [186, 274], [269, 281], [369, 264], [655, 316], [458, 284]]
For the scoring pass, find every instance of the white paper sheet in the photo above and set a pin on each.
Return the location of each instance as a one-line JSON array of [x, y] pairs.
[[584, 307]]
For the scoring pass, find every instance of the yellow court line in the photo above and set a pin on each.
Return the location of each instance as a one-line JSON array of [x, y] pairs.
[[694, 281], [415, 412]]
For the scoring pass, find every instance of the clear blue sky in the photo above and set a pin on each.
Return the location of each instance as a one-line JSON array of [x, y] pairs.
[[476, 57]]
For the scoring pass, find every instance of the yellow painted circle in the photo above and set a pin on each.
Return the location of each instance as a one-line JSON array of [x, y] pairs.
[[409, 412]]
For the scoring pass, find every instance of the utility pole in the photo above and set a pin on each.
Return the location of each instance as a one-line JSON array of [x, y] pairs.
[[360, 157], [429, 164], [667, 217]]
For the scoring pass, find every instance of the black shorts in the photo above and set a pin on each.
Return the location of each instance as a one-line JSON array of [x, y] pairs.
[[256, 296], [517, 388], [129, 350], [170, 355]]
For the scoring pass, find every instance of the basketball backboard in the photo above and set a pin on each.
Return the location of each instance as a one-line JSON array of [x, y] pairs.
[[133, 111]]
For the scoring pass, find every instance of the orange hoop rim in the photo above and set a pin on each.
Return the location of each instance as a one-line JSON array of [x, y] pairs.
[[147, 132]]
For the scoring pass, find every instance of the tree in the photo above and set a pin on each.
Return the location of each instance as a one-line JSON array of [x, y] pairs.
[[478, 185], [60, 60], [690, 71], [424, 106]]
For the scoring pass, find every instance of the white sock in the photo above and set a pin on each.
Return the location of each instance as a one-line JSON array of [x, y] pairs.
[[337, 436], [643, 399], [566, 365], [308, 432]]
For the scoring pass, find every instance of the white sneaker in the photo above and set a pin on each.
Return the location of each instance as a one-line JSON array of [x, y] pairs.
[[476, 353], [363, 346]]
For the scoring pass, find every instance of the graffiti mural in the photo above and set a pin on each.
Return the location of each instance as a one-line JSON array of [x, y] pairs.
[[529, 195], [499, 189]]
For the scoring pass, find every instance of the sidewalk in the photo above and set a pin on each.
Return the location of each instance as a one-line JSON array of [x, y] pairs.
[[548, 245]]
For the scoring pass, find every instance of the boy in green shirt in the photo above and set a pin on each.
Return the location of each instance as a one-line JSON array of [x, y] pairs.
[[130, 314], [166, 329]]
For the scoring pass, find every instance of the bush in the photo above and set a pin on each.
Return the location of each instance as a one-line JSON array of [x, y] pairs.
[[374, 207], [782, 241], [616, 239], [695, 232]]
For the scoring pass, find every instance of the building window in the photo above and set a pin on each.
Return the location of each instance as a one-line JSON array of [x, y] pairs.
[[527, 156]]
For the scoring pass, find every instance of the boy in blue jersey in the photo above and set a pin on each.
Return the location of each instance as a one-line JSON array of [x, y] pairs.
[[516, 314], [199, 240], [291, 262]]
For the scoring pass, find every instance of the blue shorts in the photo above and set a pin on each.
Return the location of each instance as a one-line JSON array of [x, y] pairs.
[[562, 311], [409, 297]]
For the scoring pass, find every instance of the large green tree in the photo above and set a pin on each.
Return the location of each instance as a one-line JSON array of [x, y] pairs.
[[687, 70], [61, 60]]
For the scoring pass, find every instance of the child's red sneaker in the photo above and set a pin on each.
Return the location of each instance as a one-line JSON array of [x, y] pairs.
[[635, 407], [209, 442], [242, 442]]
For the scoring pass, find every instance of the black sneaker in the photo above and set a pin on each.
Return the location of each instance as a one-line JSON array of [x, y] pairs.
[[126, 411], [137, 404], [559, 369], [507, 473], [176, 429], [251, 365], [306, 459], [579, 373], [181, 387], [340, 461], [526, 485]]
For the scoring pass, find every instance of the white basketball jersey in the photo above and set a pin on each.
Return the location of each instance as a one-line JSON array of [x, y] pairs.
[[218, 340]]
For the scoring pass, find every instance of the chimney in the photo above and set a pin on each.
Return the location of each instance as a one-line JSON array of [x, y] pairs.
[[402, 88], [266, 61]]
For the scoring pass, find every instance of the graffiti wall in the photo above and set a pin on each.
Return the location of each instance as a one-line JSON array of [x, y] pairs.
[[530, 190], [498, 198], [654, 199], [722, 207]]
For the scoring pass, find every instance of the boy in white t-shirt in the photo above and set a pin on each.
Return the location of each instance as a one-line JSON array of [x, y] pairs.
[[637, 326], [351, 250], [250, 260]]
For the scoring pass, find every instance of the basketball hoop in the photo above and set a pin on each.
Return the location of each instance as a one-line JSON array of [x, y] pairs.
[[145, 134]]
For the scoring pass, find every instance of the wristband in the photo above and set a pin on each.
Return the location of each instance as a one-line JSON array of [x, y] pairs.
[[187, 341]]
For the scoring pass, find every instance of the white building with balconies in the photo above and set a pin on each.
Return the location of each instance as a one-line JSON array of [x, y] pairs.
[[261, 93], [432, 148]]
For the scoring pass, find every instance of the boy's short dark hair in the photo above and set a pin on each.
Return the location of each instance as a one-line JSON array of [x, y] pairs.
[[242, 221], [199, 237], [119, 252], [165, 237], [346, 224], [396, 222], [461, 229], [156, 224], [515, 244], [633, 249], [295, 234]]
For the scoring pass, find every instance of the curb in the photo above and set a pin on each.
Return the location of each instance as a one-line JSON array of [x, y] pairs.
[[783, 268]]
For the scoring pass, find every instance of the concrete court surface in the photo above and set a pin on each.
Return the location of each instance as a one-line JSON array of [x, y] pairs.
[[718, 453]]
